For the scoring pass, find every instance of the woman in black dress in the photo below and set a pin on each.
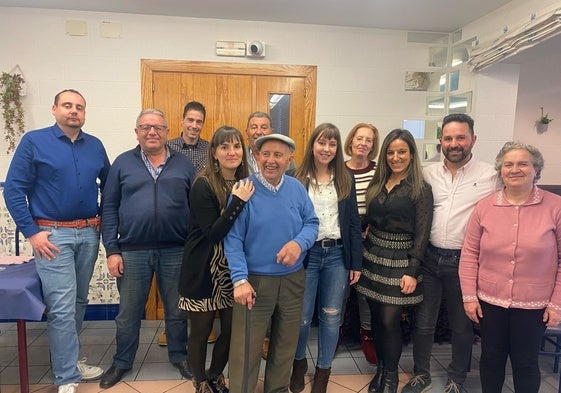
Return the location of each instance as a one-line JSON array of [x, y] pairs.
[[205, 285], [399, 215]]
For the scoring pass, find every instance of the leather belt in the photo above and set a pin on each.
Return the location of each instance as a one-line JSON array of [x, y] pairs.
[[328, 243], [94, 222], [444, 251]]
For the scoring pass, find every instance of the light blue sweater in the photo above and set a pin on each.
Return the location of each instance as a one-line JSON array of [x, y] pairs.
[[267, 222]]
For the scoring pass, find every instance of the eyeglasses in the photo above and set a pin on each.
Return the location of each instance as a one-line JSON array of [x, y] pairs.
[[148, 127]]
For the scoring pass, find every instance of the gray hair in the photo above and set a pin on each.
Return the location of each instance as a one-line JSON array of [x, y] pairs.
[[537, 157], [262, 115], [152, 111]]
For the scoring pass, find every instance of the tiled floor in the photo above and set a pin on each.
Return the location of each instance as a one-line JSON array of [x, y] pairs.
[[152, 373]]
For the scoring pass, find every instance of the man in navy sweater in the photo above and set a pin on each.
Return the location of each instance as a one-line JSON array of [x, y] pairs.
[[144, 226]]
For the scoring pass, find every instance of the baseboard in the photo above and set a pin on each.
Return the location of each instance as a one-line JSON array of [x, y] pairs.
[[101, 312]]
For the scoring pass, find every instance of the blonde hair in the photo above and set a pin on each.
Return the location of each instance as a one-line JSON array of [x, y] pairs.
[[375, 141]]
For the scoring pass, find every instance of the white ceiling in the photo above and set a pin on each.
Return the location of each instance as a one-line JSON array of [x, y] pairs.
[[421, 15]]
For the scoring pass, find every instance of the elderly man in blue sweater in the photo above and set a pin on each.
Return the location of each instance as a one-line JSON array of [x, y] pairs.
[[144, 226], [265, 249]]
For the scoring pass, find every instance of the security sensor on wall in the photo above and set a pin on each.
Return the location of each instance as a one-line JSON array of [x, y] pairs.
[[255, 49]]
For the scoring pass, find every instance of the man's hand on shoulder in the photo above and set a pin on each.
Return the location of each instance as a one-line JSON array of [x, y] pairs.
[[289, 253]]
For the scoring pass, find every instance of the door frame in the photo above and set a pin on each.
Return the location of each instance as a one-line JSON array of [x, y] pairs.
[[149, 66], [308, 72]]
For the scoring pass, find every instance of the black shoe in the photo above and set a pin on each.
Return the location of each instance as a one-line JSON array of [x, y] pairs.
[[184, 369], [112, 376]]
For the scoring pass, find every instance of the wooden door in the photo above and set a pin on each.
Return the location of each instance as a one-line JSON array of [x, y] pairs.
[[230, 92]]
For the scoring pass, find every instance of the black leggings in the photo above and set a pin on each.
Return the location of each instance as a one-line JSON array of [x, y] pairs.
[[386, 328], [201, 326]]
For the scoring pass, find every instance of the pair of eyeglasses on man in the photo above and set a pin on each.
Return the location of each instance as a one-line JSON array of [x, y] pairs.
[[148, 127]]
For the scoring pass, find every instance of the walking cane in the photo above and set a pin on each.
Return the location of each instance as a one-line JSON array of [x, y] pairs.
[[246, 349]]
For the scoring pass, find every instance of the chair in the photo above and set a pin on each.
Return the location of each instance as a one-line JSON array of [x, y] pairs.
[[551, 346]]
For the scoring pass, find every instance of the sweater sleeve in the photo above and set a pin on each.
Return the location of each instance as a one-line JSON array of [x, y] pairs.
[[111, 200], [310, 223], [555, 301], [469, 258], [234, 247], [355, 230]]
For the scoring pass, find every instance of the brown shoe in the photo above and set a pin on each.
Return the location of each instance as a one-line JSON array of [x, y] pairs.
[[212, 337], [265, 348], [163, 340]]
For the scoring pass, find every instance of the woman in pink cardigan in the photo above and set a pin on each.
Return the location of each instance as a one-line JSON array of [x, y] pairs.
[[510, 270]]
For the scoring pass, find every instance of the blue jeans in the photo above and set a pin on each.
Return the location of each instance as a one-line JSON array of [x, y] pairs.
[[139, 267], [65, 281], [327, 277], [440, 274]]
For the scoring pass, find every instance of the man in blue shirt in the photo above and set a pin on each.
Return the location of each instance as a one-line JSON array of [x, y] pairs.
[[52, 192], [145, 218]]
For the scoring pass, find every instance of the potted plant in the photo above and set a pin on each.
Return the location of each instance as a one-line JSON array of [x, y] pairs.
[[544, 119], [12, 108]]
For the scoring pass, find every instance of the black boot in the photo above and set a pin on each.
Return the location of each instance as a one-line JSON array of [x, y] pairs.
[[321, 378], [375, 383], [390, 383], [299, 368]]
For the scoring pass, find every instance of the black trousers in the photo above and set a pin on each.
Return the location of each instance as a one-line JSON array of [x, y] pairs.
[[514, 333]]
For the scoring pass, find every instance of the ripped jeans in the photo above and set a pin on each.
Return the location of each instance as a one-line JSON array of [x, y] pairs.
[[326, 277]]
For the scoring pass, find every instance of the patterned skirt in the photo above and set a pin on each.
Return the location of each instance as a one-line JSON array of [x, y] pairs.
[[384, 262], [222, 295]]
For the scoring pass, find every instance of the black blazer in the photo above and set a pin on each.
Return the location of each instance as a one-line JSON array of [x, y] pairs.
[[349, 222]]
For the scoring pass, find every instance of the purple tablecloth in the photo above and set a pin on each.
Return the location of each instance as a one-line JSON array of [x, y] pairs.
[[20, 292]]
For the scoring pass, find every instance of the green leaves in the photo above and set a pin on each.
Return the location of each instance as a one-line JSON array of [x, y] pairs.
[[12, 108]]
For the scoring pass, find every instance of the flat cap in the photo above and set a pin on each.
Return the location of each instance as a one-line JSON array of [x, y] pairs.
[[277, 137]]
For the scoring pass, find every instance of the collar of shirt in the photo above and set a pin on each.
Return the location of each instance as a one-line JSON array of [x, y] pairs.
[[252, 161], [535, 197], [60, 134], [154, 171], [463, 168], [268, 185]]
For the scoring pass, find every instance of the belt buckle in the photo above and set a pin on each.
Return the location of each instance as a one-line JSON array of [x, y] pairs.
[[328, 243]]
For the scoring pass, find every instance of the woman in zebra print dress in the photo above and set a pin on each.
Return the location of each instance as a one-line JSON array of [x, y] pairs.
[[205, 286]]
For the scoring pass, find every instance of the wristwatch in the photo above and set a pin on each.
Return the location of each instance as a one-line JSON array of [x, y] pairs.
[[240, 282]]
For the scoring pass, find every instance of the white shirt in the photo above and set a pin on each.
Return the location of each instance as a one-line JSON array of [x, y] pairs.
[[324, 198], [455, 199]]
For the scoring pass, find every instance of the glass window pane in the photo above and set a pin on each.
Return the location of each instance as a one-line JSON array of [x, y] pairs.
[[279, 110], [438, 57], [435, 106], [460, 103], [454, 80], [415, 127]]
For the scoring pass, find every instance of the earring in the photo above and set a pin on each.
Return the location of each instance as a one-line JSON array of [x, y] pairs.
[[216, 166]]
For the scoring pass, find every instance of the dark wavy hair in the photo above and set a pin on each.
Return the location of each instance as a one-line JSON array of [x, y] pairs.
[[211, 172], [383, 171]]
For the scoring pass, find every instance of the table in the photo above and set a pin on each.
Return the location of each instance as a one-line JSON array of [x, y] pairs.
[[21, 299]]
